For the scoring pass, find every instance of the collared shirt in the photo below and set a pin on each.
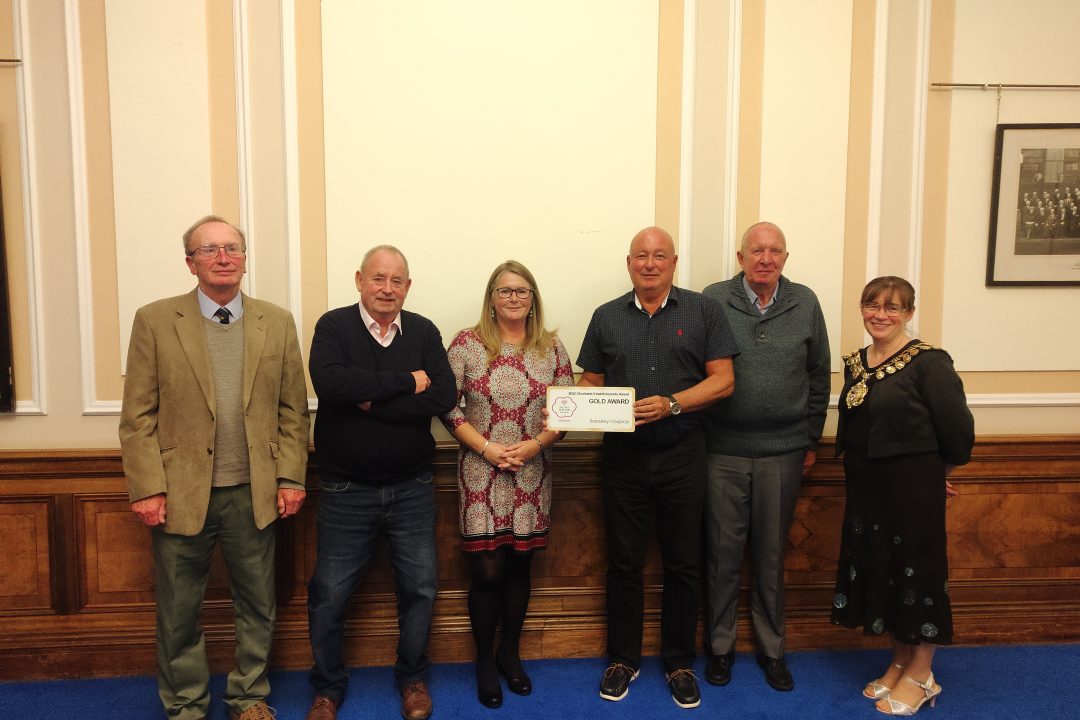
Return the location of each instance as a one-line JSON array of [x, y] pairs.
[[376, 330], [208, 307], [755, 300], [637, 301], [659, 354]]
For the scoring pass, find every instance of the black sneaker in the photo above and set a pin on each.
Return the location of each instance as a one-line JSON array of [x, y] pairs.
[[776, 673], [718, 669], [616, 682], [684, 689]]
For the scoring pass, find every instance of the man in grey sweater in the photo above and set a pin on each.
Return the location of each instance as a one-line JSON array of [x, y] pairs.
[[761, 441]]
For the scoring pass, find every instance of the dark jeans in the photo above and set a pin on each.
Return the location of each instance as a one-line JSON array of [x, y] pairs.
[[351, 515], [668, 483]]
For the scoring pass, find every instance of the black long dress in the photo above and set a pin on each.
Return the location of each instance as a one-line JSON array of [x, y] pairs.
[[892, 574]]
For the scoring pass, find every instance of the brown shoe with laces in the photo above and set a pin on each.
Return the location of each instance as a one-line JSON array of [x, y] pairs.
[[258, 711], [415, 702], [323, 709]]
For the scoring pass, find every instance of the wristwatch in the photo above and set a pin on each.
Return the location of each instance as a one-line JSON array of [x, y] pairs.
[[673, 405]]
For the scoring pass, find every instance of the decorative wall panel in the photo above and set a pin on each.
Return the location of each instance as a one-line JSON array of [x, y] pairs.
[[67, 532]]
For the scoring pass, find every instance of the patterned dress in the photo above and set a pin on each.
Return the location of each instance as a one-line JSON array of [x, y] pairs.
[[503, 402]]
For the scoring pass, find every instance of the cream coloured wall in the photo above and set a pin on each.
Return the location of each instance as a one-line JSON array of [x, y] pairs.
[[709, 234], [900, 151], [263, 210], [469, 134], [804, 131], [791, 88], [996, 41]]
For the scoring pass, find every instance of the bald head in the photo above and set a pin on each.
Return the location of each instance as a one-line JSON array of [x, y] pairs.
[[654, 235], [651, 263]]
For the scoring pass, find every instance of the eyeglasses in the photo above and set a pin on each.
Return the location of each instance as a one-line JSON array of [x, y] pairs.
[[233, 250], [891, 310], [522, 293]]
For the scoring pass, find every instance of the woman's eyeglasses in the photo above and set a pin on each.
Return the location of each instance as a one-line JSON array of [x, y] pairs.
[[522, 293]]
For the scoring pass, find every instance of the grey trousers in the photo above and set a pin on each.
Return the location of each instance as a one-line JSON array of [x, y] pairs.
[[755, 497], [181, 569]]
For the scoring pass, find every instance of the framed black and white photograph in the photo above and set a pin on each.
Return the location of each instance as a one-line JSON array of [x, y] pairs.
[[1035, 206]]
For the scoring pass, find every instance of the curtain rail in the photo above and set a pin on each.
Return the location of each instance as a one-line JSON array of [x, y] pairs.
[[1001, 86]]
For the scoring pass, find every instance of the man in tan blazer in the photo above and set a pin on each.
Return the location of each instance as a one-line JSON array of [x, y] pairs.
[[214, 433]]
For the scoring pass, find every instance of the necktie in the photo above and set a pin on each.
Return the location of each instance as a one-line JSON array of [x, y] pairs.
[[222, 315]]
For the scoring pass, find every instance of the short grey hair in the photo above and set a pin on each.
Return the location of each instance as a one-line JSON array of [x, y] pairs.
[[387, 248], [757, 225], [211, 219]]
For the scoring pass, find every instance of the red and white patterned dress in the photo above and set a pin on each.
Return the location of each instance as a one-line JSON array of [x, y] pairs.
[[503, 402]]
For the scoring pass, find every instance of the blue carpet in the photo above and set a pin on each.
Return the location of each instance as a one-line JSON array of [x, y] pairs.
[[985, 683]]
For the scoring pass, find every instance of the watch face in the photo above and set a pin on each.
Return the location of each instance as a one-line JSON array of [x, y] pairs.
[[674, 406]]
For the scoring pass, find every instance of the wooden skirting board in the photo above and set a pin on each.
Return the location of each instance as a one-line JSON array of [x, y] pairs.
[[76, 581]]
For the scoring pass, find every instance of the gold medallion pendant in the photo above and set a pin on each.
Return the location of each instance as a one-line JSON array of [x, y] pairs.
[[856, 394], [861, 389]]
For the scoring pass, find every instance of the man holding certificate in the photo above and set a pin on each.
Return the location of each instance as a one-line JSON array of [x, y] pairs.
[[674, 348]]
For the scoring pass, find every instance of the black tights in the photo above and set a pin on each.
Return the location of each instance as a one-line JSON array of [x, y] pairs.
[[501, 584]]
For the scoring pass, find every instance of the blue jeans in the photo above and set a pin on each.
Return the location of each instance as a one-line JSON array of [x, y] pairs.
[[351, 516]]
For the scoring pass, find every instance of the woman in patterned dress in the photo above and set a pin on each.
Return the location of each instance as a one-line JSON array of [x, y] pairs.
[[904, 426], [503, 366]]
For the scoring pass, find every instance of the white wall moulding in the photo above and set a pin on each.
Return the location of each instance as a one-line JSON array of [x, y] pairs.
[[242, 82], [686, 139], [80, 203], [292, 160], [24, 82], [1023, 400], [877, 140], [804, 138], [712, 63], [731, 136], [1002, 400], [918, 142], [160, 144]]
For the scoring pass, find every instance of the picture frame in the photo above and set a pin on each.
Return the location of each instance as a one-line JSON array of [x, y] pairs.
[[1035, 206]]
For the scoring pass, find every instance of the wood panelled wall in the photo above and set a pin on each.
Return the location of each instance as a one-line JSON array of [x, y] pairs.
[[76, 583]]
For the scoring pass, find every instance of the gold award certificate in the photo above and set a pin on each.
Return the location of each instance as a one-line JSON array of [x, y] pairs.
[[607, 409]]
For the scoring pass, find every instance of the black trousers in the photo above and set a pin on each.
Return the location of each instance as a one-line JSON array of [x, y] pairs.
[[667, 483]]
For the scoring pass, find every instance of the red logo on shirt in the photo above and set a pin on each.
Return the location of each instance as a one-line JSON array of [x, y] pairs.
[[679, 332]]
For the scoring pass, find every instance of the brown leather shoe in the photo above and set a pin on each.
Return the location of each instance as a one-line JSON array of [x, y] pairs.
[[258, 711], [323, 709], [415, 702]]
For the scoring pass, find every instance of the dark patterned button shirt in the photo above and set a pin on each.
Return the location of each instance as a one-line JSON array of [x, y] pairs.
[[660, 354]]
